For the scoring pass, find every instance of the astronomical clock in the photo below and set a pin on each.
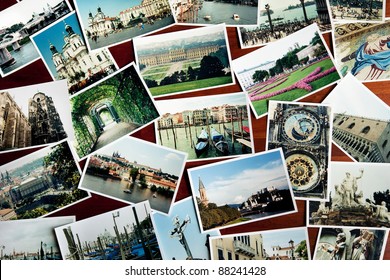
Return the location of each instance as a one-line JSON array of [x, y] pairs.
[[302, 131]]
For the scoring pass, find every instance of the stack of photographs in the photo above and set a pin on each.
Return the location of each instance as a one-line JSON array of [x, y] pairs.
[[173, 139]]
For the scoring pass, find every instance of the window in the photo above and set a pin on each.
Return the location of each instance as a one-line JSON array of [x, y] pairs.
[[229, 255], [99, 58], [237, 257], [384, 144], [220, 254], [340, 123], [366, 130], [351, 125]]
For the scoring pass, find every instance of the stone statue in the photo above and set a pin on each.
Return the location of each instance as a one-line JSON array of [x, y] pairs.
[[178, 231], [349, 187], [381, 213], [361, 245], [337, 251]]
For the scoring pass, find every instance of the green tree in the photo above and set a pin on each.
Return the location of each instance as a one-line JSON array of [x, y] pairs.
[[210, 67], [151, 83], [260, 75], [191, 74], [134, 174], [301, 250], [142, 181]]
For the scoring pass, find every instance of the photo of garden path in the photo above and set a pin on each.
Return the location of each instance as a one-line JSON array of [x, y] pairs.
[[304, 67]]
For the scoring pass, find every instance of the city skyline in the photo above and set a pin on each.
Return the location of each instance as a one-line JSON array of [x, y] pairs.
[[252, 174]]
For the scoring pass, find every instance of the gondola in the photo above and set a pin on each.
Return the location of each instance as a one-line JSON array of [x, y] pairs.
[[237, 134], [202, 144], [219, 142]]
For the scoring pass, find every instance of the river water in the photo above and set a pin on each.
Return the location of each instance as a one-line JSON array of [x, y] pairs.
[[114, 189], [183, 140], [289, 15], [222, 13], [26, 54]]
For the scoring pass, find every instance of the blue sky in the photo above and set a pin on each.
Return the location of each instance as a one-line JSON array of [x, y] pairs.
[[196, 240], [147, 153], [55, 35], [233, 181], [110, 8]]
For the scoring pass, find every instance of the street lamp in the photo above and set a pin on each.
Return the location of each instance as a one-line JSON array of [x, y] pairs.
[[267, 7], [2, 248], [304, 10], [291, 242]]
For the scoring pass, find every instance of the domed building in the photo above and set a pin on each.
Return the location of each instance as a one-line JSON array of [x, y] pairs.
[[101, 25]]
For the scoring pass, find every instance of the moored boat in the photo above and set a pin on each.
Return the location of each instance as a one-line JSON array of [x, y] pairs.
[[219, 142], [202, 143], [237, 134], [207, 17], [236, 17]]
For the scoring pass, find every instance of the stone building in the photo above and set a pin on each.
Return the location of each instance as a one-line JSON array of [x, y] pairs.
[[175, 55], [15, 130], [366, 140], [29, 188], [100, 24], [74, 62], [46, 125], [7, 214], [202, 194], [244, 247], [150, 9]]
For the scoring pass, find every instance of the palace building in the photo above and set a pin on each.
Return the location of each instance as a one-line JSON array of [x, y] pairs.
[[74, 62], [15, 129], [366, 140], [244, 247], [46, 125], [150, 9], [175, 55]]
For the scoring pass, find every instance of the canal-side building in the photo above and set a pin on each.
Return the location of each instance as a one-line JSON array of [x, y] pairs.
[[366, 140], [178, 54], [101, 24], [244, 247], [15, 129], [46, 125], [282, 253], [74, 62]]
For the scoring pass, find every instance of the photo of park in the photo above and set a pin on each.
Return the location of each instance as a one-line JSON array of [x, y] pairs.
[[279, 19], [241, 190], [183, 61], [107, 23], [359, 196], [179, 233], [361, 49], [117, 106], [31, 239], [206, 127], [296, 66], [131, 170], [123, 234], [280, 244], [40, 183]]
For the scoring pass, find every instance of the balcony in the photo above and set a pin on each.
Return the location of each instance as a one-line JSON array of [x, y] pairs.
[[242, 248]]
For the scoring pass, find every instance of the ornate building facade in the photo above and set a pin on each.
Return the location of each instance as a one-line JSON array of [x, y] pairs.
[[366, 140], [15, 130], [303, 132], [30, 187], [46, 125], [100, 24], [175, 55], [244, 247], [74, 62], [148, 9]]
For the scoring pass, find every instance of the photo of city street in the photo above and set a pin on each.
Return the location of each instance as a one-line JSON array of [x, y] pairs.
[[123, 234], [40, 183], [184, 61], [107, 23], [18, 23], [357, 10], [146, 171], [230, 12], [31, 239]]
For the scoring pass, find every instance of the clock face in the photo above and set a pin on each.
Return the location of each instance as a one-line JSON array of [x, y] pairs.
[[301, 126], [303, 171]]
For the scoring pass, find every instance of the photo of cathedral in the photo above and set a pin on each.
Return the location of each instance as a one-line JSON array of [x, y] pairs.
[[34, 115], [67, 56], [302, 130]]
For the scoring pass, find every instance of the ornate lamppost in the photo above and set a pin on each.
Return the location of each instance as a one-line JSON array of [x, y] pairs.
[[267, 7], [304, 10]]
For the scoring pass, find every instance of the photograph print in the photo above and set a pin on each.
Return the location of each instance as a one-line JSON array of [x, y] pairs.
[[361, 131], [293, 67], [31, 239], [359, 196], [206, 127], [18, 23], [107, 23], [350, 243], [179, 234], [281, 244], [132, 170], [358, 10], [63, 50], [241, 190], [123, 234], [302, 130], [186, 60], [118, 105], [363, 49], [230, 12], [34, 115], [279, 19], [40, 183]]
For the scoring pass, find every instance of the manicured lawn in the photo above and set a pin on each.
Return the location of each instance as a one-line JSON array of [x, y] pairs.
[[193, 85], [156, 69], [236, 221], [156, 77], [261, 106]]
